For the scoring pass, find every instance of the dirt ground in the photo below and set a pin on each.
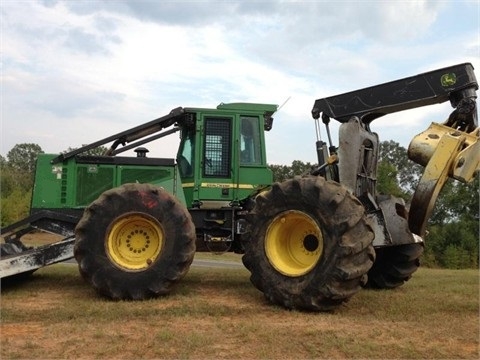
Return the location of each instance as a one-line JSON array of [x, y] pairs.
[[39, 238]]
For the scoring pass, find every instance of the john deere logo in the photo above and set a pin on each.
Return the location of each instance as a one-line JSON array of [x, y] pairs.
[[448, 79]]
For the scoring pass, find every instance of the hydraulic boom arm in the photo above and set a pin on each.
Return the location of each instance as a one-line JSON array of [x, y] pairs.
[[452, 83]]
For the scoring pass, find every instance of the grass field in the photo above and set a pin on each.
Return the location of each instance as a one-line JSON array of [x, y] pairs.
[[217, 313]]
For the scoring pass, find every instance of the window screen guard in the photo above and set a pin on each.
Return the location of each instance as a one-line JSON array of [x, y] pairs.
[[217, 151]]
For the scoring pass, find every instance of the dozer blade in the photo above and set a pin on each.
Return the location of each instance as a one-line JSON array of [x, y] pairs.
[[36, 258]]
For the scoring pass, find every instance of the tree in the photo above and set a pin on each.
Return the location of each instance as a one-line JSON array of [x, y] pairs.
[[407, 172], [4, 183], [14, 206], [284, 172], [18, 169], [16, 182], [22, 157], [457, 201], [387, 183], [454, 225]]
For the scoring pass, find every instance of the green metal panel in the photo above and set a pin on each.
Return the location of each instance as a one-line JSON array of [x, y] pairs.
[[48, 183], [163, 176], [76, 185]]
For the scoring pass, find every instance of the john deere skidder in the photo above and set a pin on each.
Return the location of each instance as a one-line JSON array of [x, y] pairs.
[[133, 223]]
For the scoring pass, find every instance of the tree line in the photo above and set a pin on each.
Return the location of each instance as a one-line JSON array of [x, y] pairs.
[[453, 229]]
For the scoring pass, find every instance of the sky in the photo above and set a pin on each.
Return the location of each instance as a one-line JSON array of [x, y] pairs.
[[73, 72]]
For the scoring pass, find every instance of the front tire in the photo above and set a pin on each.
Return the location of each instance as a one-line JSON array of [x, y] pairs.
[[308, 244], [134, 242]]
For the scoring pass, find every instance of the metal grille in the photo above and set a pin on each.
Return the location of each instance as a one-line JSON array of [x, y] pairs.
[[217, 147]]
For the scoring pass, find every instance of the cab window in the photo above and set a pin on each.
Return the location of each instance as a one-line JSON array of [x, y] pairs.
[[186, 158], [250, 147]]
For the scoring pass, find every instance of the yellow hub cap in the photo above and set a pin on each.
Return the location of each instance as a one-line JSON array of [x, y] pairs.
[[134, 241], [293, 243]]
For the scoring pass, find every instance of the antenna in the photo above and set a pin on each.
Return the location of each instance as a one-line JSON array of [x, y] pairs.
[[283, 104]]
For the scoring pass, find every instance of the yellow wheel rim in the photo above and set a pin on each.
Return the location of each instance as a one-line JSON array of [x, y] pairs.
[[134, 241], [293, 243]]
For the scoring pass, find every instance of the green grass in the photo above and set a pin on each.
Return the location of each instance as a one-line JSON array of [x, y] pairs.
[[217, 313]]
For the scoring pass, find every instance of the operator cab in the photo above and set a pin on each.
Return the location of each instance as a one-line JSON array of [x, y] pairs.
[[222, 158]]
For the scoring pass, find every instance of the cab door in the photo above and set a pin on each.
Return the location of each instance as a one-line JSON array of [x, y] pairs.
[[216, 185], [253, 172]]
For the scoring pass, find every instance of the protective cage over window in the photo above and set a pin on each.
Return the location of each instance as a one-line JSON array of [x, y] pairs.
[[217, 151]]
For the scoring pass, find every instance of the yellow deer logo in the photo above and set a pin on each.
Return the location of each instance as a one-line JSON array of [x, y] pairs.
[[448, 79]]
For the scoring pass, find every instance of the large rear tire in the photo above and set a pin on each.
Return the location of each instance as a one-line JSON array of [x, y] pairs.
[[134, 242], [308, 244], [394, 265]]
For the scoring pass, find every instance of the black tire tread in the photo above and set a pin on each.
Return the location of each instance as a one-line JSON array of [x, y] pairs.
[[394, 265]]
